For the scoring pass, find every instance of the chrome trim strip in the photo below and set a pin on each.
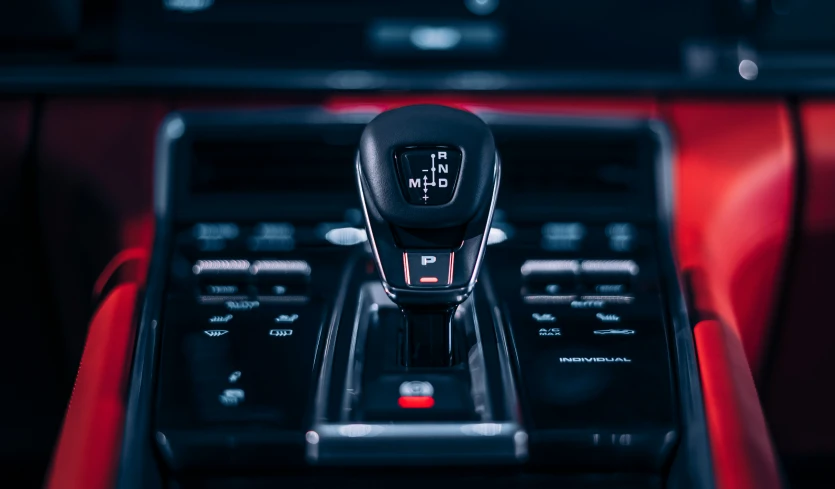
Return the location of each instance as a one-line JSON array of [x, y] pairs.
[[609, 266], [220, 266], [478, 368], [549, 299], [451, 268], [368, 229], [320, 404], [497, 177], [532, 267], [612, 299], [280, 267]]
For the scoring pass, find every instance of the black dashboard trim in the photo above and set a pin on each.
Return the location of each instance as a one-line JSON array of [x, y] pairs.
[[116, 79]]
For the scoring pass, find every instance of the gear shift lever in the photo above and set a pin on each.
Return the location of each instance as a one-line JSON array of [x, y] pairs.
[[428, 178]]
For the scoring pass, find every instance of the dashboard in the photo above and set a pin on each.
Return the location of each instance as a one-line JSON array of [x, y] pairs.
[[649, 305], [461, 45]]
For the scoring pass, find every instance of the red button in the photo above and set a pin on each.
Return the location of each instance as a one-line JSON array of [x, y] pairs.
[[416, 402]]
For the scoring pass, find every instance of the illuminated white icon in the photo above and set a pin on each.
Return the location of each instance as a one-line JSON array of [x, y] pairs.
[[215, 332], [220, 319], [550, 332], [552, 289], [608, 318], [223, 289], [242, 305], [427, 260], [615, 331], [232, 397], [279, 290], [281, 332], [234, 376], [416, 388], [284, 318], [425, 182], [544, 318]]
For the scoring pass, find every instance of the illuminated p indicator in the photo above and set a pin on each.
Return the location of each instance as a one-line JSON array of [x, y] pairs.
[[425, 270]]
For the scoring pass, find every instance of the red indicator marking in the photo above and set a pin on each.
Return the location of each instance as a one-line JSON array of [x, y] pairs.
[[428, 280], [416, 402]]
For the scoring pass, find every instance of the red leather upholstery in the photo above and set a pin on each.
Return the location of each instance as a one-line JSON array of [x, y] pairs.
[[797, 395], [585, 106], [734, 195], [743, 457], [95, 179], [87, 452]]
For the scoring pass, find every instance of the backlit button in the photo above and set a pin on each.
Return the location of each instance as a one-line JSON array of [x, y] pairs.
[[416, 395], [229, 289], [429, 268], [231, 397], [281, 333], [242, 305], [215, 333], [416, 402], [220, 319]]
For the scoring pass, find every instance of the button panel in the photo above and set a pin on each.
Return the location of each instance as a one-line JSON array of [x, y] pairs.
[[588, 326], [240, 336]]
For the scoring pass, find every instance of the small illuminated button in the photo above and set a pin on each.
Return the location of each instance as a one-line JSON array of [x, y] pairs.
[[416, 395], [428, 268]]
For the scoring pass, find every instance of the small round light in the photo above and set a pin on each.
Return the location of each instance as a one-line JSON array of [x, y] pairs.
[[482, 7], [312, 438], [748, 69]]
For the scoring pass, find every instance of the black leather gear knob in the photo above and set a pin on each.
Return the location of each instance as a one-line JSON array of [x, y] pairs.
[[386, 143], [428, 178]]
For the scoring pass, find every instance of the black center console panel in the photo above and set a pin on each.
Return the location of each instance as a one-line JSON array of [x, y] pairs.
[[265, 357]]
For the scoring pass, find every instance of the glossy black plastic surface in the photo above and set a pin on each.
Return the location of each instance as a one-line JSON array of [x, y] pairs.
[[237, 371], [596, 373]]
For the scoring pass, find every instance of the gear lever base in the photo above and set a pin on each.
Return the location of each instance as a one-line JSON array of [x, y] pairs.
[[428, 338]]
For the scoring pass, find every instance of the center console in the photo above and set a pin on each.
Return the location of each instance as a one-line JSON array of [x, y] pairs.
[[518, 324]]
